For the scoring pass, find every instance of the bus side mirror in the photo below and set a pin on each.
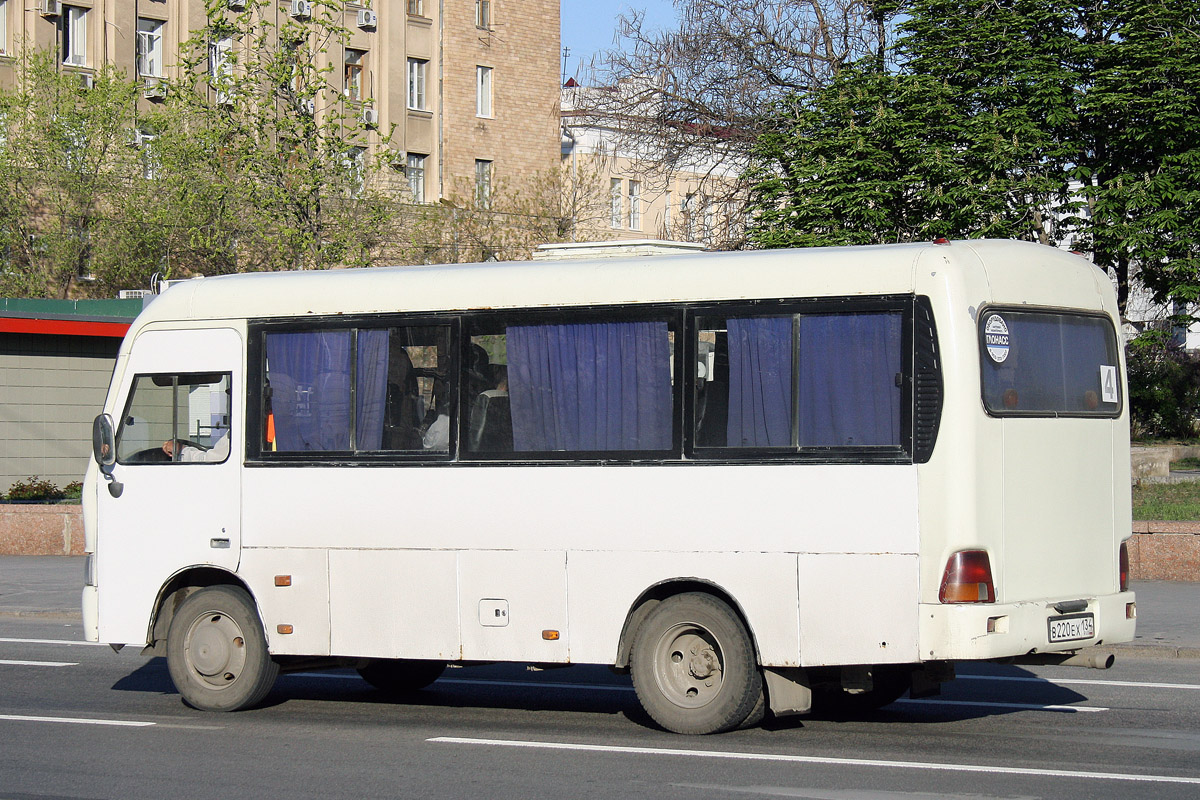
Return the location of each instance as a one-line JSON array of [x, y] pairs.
[[104, 448]]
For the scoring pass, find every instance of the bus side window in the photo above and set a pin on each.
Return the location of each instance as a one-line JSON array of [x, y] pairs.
[[796, 381]]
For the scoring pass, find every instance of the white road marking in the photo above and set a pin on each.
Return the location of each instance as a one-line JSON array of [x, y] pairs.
[[51, 641], [795, 759], [124, 723], [987, 704], [1079, 682], [6, 662]]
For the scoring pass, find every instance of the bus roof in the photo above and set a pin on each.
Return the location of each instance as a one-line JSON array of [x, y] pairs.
[[809, 272]]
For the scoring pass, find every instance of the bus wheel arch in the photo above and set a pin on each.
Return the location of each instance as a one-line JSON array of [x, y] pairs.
[[652, 596], [172, 595]]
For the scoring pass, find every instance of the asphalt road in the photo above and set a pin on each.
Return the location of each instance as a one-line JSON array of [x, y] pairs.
[[79, 721]]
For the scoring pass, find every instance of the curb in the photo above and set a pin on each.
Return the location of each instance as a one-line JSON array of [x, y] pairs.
[[64, 616], [1154, 651]]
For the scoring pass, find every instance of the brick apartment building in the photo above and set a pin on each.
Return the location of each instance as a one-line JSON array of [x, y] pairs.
[[470, 86]]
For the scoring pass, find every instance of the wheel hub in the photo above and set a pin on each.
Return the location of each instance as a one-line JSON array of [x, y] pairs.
[[216, 649], [688, 666]]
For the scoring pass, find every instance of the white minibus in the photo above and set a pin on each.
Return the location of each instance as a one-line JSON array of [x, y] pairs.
[[784, 480]]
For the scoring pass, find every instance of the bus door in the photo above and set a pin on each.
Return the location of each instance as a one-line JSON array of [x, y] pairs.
[[175, 497]]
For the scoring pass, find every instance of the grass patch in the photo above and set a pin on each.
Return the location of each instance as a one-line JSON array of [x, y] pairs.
[[1186, 463], [1167, 501]]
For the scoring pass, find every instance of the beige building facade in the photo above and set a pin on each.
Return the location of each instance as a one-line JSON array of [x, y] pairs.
[[695, 200], [465, 91]]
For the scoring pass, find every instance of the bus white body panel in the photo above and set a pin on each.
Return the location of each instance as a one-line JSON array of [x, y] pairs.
[[829, 556]]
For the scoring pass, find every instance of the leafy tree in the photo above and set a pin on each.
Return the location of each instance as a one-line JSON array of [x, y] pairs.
[[61, 168], [1032, 119], [1139, 144]]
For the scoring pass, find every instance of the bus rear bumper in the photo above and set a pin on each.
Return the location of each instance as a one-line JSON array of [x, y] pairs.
[[968, 632]]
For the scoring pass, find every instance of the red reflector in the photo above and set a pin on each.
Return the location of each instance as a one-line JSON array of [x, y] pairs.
[[941, 240], [968, 578], [1124, 566]]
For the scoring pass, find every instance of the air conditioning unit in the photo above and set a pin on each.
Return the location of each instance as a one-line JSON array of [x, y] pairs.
[[370, 117], [134, 138], [398, 159], [307, 107], [153, 89], [50, 8], [86, 80], [367, 18], [236, 5], [301, 9]]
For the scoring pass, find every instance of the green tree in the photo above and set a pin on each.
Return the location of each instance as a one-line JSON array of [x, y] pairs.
[[1030, 119], [62, 166], [1139, 144], [262, 158]]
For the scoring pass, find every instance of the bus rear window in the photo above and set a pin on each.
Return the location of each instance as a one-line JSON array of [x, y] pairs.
[[1046, 364]]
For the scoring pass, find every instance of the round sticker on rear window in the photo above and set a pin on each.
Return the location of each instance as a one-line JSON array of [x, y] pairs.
[[995, 337]]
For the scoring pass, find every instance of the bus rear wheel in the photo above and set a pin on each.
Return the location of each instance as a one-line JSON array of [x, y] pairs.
[[693, 666], [399, 675], [217, 651]]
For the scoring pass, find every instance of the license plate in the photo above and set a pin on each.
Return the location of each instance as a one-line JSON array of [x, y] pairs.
[[1072, 627]]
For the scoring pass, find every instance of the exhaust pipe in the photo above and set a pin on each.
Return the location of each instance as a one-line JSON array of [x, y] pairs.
[[1089, 658]]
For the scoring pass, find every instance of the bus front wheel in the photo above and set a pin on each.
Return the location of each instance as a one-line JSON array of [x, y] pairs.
[[693, 666], [217, 652]]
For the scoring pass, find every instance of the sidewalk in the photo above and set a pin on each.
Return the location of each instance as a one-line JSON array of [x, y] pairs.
[[1168, 611]]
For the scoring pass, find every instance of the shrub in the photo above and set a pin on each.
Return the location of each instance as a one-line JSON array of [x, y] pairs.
[[1164, 389], [34, 489]]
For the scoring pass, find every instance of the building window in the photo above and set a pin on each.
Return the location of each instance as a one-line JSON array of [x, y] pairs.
[[220, 66], [353, 86], [614, 202], [149, 48], [416, 177], [416, 8], [3, 27], [685, 212], [483, 183], [483, 91], [483, 14], [354, 161], [74, 36], [667, 214], [145, 142], [635, 205], [416, 83]]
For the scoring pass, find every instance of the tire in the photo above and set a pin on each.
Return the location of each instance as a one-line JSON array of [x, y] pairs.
[[217, 652], [693, 666], [889, 683], [397, 676]]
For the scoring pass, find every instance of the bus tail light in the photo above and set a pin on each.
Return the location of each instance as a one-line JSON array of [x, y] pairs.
[[1124, 566], [968, 578]]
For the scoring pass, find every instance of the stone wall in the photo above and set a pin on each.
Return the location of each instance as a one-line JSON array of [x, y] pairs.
[[41, 530], [1165, 551]]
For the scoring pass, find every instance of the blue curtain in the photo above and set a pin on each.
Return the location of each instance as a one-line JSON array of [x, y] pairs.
[[310, 389], [847, 380], [371, 393], [590, 387], [760, 381]]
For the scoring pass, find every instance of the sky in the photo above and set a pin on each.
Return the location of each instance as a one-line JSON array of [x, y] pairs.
[[588, 26]]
